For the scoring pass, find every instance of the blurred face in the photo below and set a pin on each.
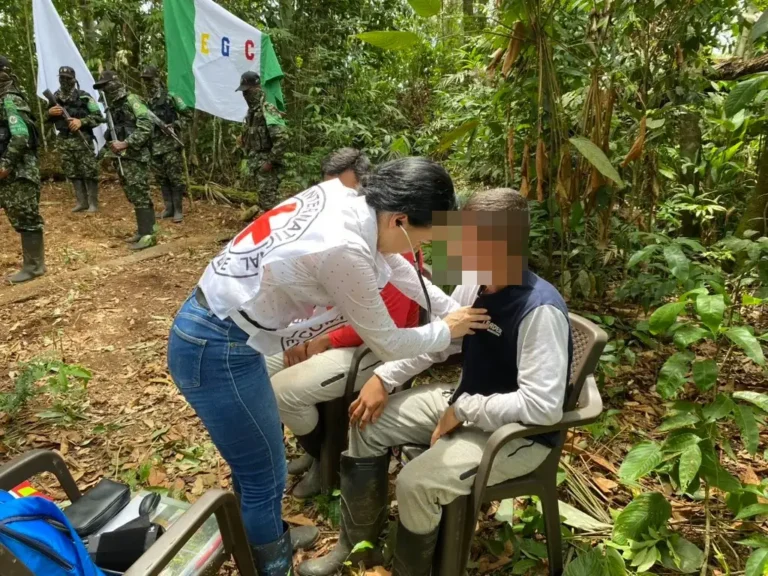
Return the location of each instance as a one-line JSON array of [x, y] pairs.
[[348, 178], [480, 248], [67, 83], [252, 95]]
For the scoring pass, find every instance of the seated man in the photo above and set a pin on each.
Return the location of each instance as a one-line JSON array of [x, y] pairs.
[[516, 371], [315, 372]]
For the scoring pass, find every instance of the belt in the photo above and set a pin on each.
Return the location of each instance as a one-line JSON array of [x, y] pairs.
[[200, 297]]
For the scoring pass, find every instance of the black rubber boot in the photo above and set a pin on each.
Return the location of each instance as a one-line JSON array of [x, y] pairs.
[[81, 194], [300, 465], [302, 537], [177, 195], [168, 201], [145, 220], [413, 552], [92, 188], [309, 485], [33, 251], [275, 558], [364, 511], [312, 442]]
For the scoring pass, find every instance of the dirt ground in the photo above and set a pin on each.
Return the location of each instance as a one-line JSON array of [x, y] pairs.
[[109, 310]]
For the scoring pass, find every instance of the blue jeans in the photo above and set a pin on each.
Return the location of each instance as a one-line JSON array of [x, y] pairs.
[[227, 384]]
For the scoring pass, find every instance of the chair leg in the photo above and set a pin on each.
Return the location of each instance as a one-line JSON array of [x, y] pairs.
[[551, 510], [334, 443], [455, 539]]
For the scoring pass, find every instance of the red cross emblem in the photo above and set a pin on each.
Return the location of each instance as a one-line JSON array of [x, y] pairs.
[[260, 228]]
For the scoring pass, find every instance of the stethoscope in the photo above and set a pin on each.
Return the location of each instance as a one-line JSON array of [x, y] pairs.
[[418, 270]]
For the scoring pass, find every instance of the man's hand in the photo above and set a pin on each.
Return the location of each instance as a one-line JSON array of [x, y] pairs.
[[266, 167], [318, 345], [75, 124], [295, 355], [55, 111], [118, 146], [466, 320], [4, 173], [369, 404], [448, 422]]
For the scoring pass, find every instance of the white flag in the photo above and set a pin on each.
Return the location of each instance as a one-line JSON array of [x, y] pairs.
[[55, 49]]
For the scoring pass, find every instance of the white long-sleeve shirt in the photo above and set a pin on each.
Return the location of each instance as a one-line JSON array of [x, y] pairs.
[[542, 362], [310, 265]]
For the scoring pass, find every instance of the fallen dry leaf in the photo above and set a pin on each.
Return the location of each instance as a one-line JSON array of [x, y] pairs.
[[156, 477], [602, 462], [378, 571], [299, 520], [198, 488], [605, 484]]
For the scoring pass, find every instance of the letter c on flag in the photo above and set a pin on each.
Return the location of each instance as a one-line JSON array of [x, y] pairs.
[[248, 48], [204, 43], [225, 46]]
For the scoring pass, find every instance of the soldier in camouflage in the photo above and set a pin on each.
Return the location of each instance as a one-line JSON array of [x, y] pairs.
[[20, 174], [132, 144], [263, 141], [167, 153], [77, 154]]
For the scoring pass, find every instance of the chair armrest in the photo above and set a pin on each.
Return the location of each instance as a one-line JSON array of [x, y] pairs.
[[354, 367], [34, 462], [590, 409], [219, 502]]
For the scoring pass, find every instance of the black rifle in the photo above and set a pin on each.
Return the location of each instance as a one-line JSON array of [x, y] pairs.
[[52, 101], [164, 128], [111, 126]]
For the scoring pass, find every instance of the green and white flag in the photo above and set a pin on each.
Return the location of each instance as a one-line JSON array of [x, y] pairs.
[[208, 50]]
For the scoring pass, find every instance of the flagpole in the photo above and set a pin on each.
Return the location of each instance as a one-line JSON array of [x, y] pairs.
[[34, 76]]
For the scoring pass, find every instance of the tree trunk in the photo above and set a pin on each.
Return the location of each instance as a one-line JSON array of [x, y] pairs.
[[468, 9], [690, 148], [754, 217], [86, 17], [737, 67]]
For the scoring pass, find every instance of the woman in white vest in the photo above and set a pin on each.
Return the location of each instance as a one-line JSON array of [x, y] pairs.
[[314, 262]]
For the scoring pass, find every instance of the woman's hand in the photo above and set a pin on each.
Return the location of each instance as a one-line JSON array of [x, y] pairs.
[[466, 320], [447, 424], [369, 404], [295, 355], [318, 345]]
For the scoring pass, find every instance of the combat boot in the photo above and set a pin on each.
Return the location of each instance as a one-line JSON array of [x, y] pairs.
[[92, 187], [413, 552], [33, 252], [168, 201], [81, 195], [177, 196], [145, 221], [364, 510]]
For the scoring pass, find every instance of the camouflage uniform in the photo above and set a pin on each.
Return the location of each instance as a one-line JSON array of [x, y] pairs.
[[20, 187], [134, 128], [78, 160], [167, 153], [263, 142]]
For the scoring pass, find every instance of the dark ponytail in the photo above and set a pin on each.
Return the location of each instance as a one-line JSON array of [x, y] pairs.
[[414, 186]]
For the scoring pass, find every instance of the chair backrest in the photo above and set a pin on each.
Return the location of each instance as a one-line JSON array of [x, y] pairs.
[[588, 343]]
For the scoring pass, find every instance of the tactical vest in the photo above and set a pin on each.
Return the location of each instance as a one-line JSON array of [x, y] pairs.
[[124, 119], [77, 108], [164, 109], [5, 129], [257, 133]]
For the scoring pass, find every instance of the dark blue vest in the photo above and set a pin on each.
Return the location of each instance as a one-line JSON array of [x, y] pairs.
[[489, 357]]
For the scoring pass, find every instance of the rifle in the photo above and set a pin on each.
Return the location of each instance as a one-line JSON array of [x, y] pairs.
[[52, 101], [164, 128], [111, 126]]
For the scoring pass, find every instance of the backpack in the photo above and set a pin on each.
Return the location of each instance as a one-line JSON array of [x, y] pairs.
[[38, 534]]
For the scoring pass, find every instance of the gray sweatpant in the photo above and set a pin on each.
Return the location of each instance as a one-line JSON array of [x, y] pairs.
[[445, 471]]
